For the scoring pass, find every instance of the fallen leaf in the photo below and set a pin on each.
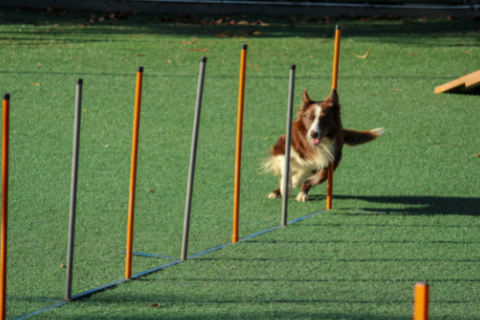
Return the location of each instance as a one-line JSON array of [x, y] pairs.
[[477, 155], [258, 69], [219, 21], [169, 61], [63, 266], [155, 305], [351, 40], [393, 89], [412, 54], [243, 23], [84, 111], [36, 84], [189, 42], [256, 32], [199, 49], [39, 64], [364, 56], [140, 55], [225, 34], [150, 190]]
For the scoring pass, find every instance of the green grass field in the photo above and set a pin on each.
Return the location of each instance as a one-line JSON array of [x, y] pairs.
[[406, 206]]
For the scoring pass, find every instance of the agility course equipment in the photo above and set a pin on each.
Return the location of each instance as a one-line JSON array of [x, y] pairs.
[[465, 84], [133, 173], [238, 152], [73, 193], [336, 57], [193, 157], [421, 301], [288, 140], [3, 258]]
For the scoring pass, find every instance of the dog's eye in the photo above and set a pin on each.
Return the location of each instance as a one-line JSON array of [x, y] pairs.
[[309, 118]]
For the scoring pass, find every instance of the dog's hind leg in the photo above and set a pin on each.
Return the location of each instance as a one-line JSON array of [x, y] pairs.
[[280, 191], [275, 193]]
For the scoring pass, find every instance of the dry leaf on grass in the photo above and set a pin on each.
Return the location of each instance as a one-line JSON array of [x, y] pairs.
[[63, 266], [477, 155], [199, 49], [225, 34], [243, 23], [36, 84], [364, 56], [39, 64], [394, 89], [189, 42], [140, 55], [413, 54], [155, 305]]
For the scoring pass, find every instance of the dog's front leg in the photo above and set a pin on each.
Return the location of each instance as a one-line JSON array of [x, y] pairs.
[[318, 177]]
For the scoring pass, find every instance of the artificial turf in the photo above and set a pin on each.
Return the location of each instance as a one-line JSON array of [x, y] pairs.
[[405, 207]]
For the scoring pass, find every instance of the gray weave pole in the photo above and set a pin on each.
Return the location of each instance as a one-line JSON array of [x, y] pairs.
[[193, 156], [73, 194], [288, 138]]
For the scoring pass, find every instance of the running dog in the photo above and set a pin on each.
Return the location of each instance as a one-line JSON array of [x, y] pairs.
[[317, 140]]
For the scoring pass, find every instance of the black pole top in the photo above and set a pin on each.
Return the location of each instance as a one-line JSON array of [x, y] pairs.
[[79, 81], [204, 59], [244, 46], [337, 27], [6, 96], [293, 67], [140, 69]]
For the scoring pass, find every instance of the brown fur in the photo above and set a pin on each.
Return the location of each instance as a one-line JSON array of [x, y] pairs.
[[308, 154]]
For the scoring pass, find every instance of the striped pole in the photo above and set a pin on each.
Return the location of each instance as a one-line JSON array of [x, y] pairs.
[[3, 262], [193, 157], [133, 174], [73, 193], [421, 301], [288, 139], [238, 154], [336, 57]]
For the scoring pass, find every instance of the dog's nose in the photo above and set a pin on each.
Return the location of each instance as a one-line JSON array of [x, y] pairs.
[[314, 134]]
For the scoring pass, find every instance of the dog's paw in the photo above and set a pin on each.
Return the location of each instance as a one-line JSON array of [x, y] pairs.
[[302, 197], [274, 195]]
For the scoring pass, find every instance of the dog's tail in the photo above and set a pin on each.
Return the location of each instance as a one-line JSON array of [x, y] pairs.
[[271, 164], [354, 138]]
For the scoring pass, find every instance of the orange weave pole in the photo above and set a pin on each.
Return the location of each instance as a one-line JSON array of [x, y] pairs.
[[133, 174], [421, 300], [336, 57], [238, 153], [3, 262]]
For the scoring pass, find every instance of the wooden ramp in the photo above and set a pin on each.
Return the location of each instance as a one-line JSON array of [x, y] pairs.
[[468, 83]]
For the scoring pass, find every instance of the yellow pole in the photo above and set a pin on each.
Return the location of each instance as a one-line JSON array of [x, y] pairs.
[[3, 262], [238, 154], [336, 56], [133, 174]]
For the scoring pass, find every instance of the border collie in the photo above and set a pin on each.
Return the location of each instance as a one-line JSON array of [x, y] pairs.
[[317, 140]]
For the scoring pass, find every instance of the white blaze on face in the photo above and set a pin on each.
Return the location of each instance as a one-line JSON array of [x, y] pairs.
[[316, 124]]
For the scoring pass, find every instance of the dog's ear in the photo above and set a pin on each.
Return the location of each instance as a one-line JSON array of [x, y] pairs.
[[332, 99], [306, 101]]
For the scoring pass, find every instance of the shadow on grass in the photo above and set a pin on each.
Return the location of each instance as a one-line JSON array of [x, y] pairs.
[[419, 205], [69, 26]]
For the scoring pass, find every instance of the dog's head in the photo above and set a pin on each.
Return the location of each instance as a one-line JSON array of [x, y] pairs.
[[320, 118]]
